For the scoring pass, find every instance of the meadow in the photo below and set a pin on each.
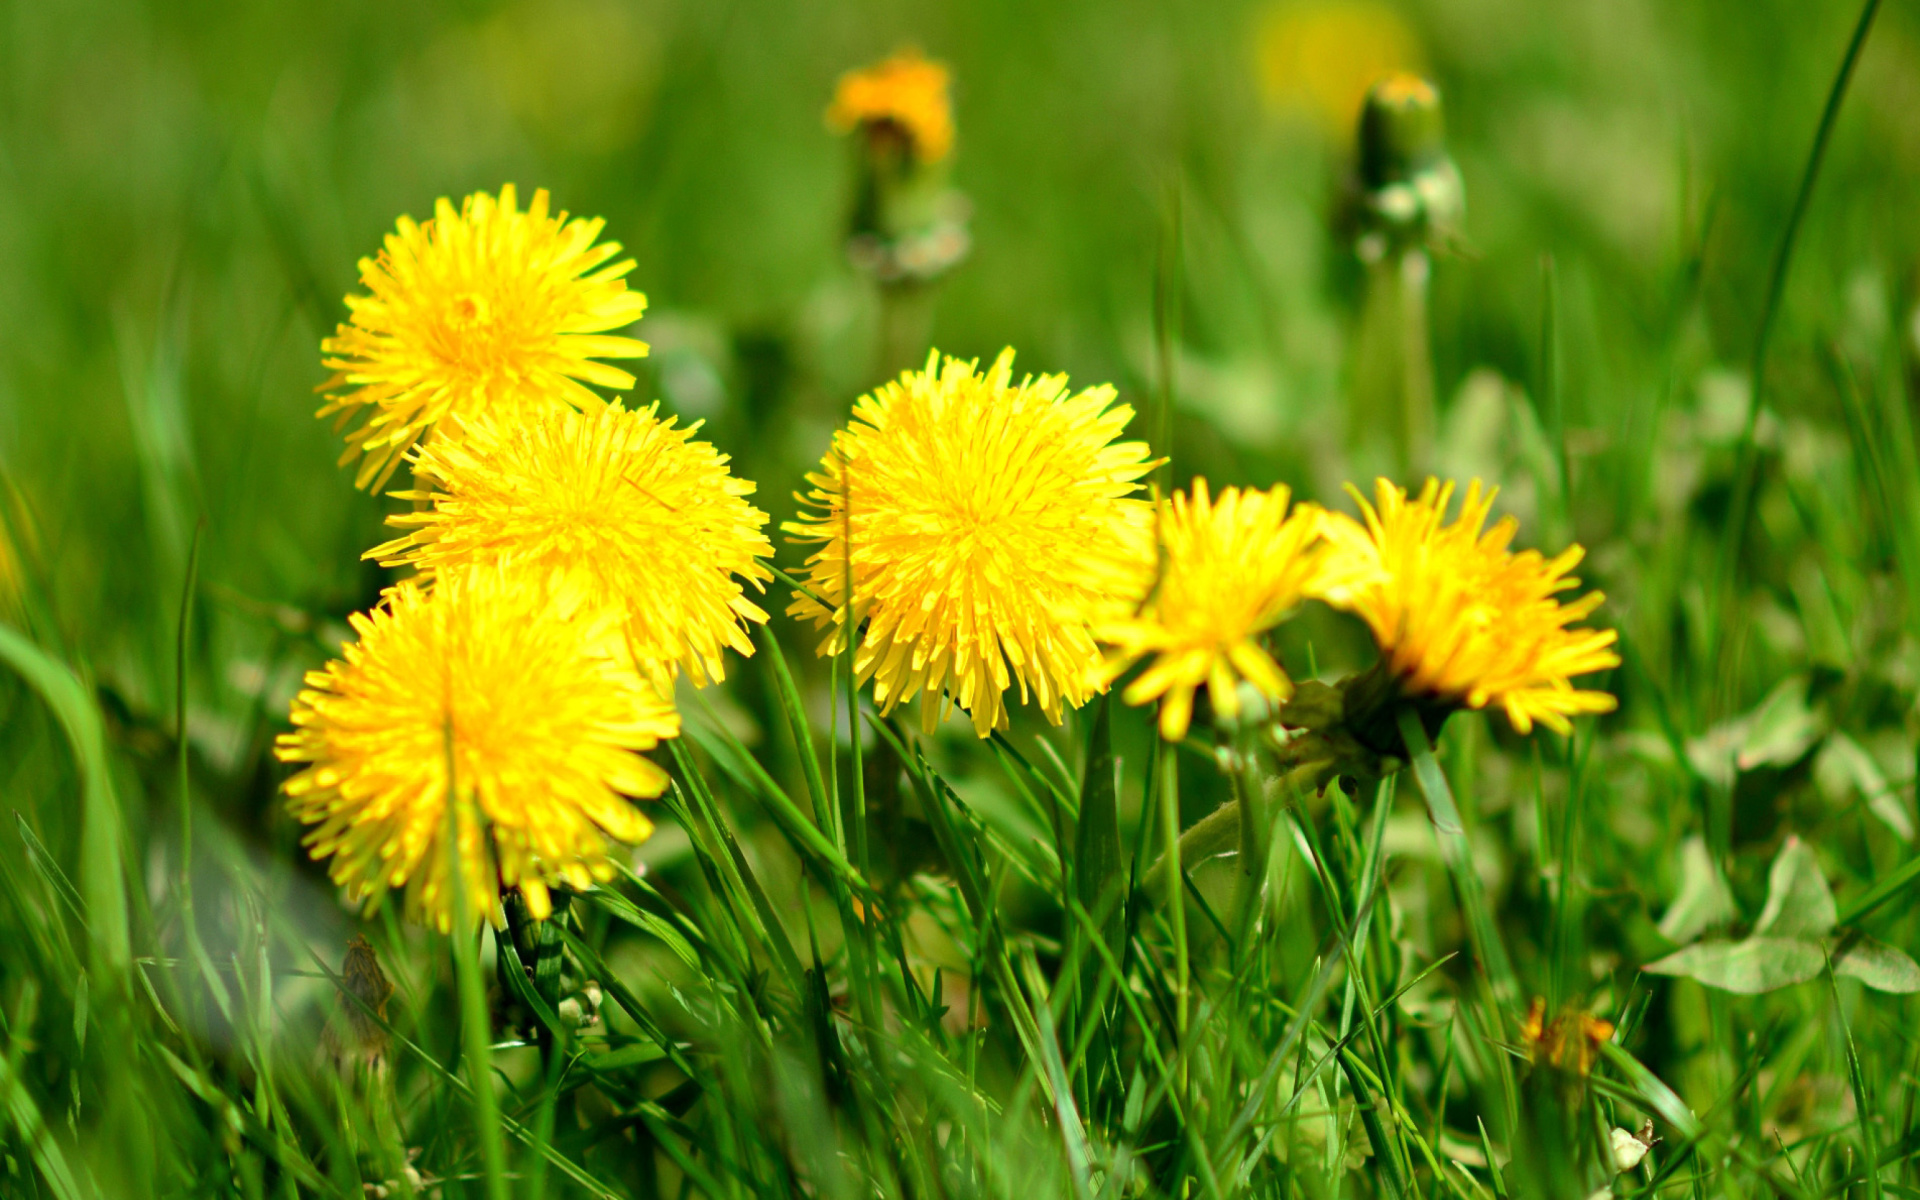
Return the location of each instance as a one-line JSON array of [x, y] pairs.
[[1336, 912]]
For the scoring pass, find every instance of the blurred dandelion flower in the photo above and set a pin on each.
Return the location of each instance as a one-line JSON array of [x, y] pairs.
[[1320, 58], [1570, 1042], [9, 572], [905, 94], [1462, 620], [504, 682], [1222, 573], [977, 509], [484, 310], [639, 516]]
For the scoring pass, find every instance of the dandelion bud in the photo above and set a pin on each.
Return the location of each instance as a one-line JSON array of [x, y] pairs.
[[1410, 191], [906, 225], [1402, 131], [358, 1037], [1630, 1148]]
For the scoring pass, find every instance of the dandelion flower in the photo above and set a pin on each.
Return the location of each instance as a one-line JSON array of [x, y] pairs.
[[1220, 574], [1319, 57], [906, 93], [637, 514], [977, 509], [1462, 620], [484, 310], [487, 675]]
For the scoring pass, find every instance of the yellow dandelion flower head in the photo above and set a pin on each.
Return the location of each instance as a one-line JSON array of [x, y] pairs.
[[1320, 57], [906, 91], [637, 514], [494, 677], [1219, 574], [1460, 617], [484, 309], [976, 508]]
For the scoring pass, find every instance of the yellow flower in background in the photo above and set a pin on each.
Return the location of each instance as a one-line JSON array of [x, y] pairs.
[[506, 682], [483, 310], [17, 544], [638, 515], [1461, 618], [1320, 57], [1221, 573], [9, 570], [905, 91], [978, 510]]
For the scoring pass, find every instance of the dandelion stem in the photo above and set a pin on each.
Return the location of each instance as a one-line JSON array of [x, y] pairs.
[[474, 1032], [180, 727], [1176, 898]]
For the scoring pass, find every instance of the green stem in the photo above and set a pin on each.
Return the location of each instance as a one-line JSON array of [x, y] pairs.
[[1175, 884], [475, 1033], [1414, 270], [180, 727]]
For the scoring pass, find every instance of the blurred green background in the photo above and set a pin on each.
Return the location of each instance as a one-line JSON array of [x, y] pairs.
[[185, 188]]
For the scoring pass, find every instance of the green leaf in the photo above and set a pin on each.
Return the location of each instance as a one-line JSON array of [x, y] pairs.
[[1879, 966], [1704, 900], [1781, 730], [1777, 732], [1758, 964], [1650, 1088], [1799, 903], [1844, 767], [102, 881], [625, 909], [637, 1054]]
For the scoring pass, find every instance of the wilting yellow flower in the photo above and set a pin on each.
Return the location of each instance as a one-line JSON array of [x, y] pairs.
[[978, 509], [905, 91], [1461, 618], [484, 310], [504, 682], [1321, 56], [638, 516], [1219, 575]]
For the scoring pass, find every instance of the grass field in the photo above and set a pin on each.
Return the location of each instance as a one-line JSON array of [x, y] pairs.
[[1678, 323]]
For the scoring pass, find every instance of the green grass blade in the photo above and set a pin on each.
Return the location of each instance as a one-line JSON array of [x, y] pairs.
[[1862, 1101], [1459, 855], [476, 1035], [791, 708], [734, 759], [102, 877], [1742, 502], [31, 1129]]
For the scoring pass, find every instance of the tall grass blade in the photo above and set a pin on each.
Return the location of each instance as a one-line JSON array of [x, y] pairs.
[[1747, 463], [1459, 856], [102, 877]]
